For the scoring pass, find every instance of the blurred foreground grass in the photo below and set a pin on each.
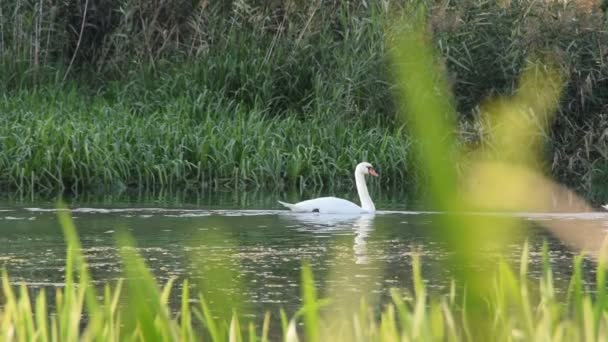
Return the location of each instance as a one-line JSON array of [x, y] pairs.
[[138, 308], [503, 172]]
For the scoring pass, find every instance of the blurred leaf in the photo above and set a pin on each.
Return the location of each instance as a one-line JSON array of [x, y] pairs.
[[145, 309], [310, 304]]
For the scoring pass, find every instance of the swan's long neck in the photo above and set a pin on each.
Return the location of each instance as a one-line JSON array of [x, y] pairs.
[[366, 201]]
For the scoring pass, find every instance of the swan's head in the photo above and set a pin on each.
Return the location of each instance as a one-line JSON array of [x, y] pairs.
[[366, 169]]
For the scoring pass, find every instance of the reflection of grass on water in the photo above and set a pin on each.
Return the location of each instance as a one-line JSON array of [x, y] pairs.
[[501, 304]]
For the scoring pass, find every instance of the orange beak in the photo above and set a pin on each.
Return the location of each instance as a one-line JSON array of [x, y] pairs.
[[373, 172]]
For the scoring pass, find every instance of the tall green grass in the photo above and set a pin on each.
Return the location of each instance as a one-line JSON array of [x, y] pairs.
[[312, 62], [485, 46], [226, 99], [87, 144], [282, 57]]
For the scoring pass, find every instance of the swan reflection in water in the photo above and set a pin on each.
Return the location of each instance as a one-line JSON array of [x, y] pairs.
[[360, 224], [363, 227]]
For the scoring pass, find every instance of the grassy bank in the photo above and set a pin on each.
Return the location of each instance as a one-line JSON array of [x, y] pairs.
[[315, 74], [78, 143]]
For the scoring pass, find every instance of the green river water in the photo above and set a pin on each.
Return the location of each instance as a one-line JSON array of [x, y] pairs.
[[261, 243]]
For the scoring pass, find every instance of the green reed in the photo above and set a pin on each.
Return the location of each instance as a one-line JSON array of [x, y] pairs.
[[87, 144], [314, 63]]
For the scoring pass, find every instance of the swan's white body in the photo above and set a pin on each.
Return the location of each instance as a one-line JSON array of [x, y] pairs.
[[325, 205], [333, 205]]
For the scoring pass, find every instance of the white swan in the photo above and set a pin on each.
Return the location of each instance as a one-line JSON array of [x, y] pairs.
[[333, 205]]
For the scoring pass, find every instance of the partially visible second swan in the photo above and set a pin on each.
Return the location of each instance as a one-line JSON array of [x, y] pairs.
[[333, 205]]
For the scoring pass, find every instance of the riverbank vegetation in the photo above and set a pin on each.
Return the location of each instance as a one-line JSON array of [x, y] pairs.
[[233, 94]]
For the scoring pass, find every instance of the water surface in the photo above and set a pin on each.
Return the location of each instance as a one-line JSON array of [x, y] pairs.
[[264, 248]]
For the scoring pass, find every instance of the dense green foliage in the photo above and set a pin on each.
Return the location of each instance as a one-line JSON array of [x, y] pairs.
[[315, 74], [229, 98], [85, 143]]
